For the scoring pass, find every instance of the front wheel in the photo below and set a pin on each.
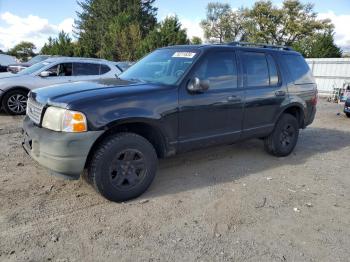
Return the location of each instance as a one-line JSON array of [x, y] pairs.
[[15, 102], [284, 137], [123, 166]]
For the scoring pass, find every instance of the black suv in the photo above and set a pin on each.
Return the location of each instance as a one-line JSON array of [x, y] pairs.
[[175, 99]]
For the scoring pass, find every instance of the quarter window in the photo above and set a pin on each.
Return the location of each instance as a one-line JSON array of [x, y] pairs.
[[298, 69], [86, 69], [104, 69], [220, 69]]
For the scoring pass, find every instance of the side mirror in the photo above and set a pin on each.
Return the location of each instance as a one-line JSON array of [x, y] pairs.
[[44, 74], [197, 85]]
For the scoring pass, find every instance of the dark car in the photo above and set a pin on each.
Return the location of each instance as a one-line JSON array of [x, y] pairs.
[[174, 100], [347, 107], [15, 68]]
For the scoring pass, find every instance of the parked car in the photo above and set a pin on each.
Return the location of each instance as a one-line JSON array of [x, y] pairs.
[[15, 87], [5, 61], [347, 107], [174, 100], [123, 65], [17, 67]]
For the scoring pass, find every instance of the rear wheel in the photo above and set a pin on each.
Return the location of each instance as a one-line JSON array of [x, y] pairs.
[[284, 137], [123, 166], [14, 102]]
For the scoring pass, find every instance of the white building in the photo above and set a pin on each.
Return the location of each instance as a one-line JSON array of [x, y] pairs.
[[330, 73]]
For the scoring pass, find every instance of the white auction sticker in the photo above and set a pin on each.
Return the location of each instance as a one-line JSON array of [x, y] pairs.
[[184, 54]]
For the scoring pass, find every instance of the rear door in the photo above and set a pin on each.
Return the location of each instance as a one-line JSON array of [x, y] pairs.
[[264, 91], [213, 116]]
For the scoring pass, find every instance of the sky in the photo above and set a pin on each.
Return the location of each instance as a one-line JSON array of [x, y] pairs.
[[36, 20]]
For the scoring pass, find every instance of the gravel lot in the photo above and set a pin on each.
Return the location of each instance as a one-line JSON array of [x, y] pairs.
[[229, 203]]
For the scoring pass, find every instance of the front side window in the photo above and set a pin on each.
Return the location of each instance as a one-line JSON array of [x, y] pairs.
[[63, 69], [86, 69], [163, 66], [219, 68]]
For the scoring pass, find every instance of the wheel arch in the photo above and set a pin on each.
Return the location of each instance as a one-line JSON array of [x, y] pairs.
[[11, 89], [297, 110], [142, 127]]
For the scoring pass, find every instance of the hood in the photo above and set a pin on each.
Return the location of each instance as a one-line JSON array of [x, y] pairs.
[[8, 75], [64, 95], [21, 64]]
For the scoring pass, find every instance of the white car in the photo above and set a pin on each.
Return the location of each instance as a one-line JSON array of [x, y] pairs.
[[15, 87]]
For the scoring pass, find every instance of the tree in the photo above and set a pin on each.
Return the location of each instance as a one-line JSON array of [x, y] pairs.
[[62, 45], [168, 32], [318, 46], [23, 50], [97, 23], [286, 25], [222, 23], [196, 40]]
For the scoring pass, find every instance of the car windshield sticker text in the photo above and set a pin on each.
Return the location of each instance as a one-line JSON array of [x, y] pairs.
[[184, 54]]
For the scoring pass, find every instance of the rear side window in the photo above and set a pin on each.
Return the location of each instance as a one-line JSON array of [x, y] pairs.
[[104, 69], [298, 69], [256, 68], [86, 69], [220, 69], [272, 71]]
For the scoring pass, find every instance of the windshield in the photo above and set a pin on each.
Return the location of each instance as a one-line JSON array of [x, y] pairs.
[[164, 66], [33, 68], [37, 59]]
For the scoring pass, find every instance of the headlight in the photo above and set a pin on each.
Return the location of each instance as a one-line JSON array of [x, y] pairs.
[[59, 119]]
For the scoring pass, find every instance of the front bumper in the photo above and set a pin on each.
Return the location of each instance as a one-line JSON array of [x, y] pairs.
[[62, 153]]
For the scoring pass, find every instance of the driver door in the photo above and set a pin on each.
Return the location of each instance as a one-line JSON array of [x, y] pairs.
[[59, 73], [213, 116]]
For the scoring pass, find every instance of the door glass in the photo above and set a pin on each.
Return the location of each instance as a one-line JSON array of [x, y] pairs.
[[64, 69], [273, 71], [256, 69], [220, 69], [86, 69]]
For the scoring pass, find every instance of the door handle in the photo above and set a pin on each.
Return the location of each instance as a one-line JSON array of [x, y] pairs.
[[234, 99], [280, 93]]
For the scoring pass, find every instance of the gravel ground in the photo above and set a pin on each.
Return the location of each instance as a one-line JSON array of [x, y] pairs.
[[229, 203]]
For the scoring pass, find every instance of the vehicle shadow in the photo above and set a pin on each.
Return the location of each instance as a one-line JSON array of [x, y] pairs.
[[223, 164]]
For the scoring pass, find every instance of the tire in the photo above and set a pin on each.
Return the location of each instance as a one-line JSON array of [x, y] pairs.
[[123, 166], [348, 115], [284, 137], [14, 102]]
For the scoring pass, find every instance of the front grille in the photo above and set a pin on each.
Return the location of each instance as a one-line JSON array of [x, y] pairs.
[[34, 110]]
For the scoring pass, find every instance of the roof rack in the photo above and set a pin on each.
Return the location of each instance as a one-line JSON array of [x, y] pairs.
[[248, 44]]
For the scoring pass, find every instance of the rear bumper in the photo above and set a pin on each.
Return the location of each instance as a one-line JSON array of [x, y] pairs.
[[311, 116], [63, 153], [1, 95]]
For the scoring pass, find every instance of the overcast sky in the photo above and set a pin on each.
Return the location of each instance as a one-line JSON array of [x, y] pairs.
[[36, 20]]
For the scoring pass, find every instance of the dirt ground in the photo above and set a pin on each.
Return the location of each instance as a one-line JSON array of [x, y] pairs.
[[229, 203]]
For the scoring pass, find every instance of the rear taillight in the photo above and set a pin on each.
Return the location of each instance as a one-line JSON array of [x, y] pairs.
[[315, 99]]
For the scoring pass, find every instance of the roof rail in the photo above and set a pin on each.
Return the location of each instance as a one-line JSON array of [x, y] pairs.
[[248, 44]]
